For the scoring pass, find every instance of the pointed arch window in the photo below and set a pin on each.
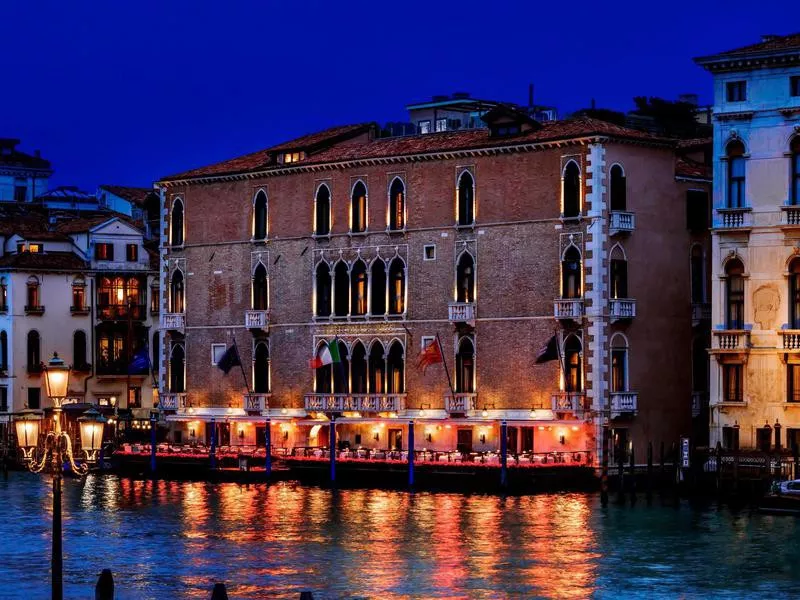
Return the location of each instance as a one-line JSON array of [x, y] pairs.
[[573, 365], [734, 294], [465, 278], [377, 369], [260, 288], [395, 369], [176, 293], [794, 294], [397, 205], [260, 216], [397, 287], [177, 369], [358, 291], [697, 266], [378, 288], [795, 167], [736, 174], [618, 274], [176, 223], [358, 368], [466, 199], [358, 208], [619, 364], [3, 351], [571, 274], [572, 190], [341, 290], [34, 352], [322, 211], [465, 366], [619, 191], [323, 297], [261, 368], [79, 351]]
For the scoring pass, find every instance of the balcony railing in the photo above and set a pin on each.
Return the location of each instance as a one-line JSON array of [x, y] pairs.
[[461, 402], [461, 312], [119, 367], [791, 338], [119, 312], [572, 402], [355, 402], [731, 340], [34, 310], [255, 402], [622, 308], [622, 222], [623, 403], [172, 400], [174, 321], [791, 215], [734, 218], [701, 312], [256, 319], [571, 308], [79, 310]]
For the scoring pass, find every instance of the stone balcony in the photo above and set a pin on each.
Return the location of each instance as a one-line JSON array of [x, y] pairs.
[[568, 308], [255, 402], [730, 340], [622, 309], [461, 402], [624, 403], [461, 312], [173, 321], [569, 402], [370, 403], [734, 218], [790, 215], [621, 222], [791, 339], [256, 319], [172, 400]]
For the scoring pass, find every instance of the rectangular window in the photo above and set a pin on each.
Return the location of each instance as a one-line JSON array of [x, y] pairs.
[[793, 382], [429, 252], [732, 383], [619, 278], [134, 397], [217, 350], [20, 190], [736, 91], [619, 358], [441, 124], [794, 85], [736, 182], [78, 297], [104, 252], [427, 340], [155, 300], [424, 126], [132, 252], [34, 398], [3, 399]]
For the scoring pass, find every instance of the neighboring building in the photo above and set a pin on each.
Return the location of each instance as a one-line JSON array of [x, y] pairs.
[[141, 204], [755, 354], [77, 286], [68, 198], [22, 176], [494, 239]]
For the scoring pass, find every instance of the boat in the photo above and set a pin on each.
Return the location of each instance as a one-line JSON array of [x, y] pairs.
[[783, 499]]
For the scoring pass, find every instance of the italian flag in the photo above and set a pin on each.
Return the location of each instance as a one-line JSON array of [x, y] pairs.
[[327, 355]]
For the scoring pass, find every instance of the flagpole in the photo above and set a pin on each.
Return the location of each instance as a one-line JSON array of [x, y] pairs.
[[444, 362], [241, 366]]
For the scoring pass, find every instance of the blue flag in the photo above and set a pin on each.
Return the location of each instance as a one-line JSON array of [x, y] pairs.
[[140, 363]]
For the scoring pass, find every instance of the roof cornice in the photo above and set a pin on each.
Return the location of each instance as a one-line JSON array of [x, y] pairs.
[[747, 61]]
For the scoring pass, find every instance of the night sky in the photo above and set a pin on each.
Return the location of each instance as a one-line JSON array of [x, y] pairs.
[[126, 92]]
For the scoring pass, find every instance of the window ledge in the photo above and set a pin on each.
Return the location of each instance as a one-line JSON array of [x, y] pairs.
[[258, 240], [34, 310], [396, 231], [467, 226], [734, 209], [321, 236], [358, 233]]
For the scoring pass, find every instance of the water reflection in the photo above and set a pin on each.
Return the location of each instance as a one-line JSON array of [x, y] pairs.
[[173, 540]]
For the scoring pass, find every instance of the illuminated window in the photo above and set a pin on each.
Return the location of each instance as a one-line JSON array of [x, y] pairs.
[[397, 205], [619, 364], [573, 365], [292, 157], [424, 126], [134, 397], [793, 382], [104, 252], [441, 125], [132, 252], [176, 296], [429, 252], [34, 301], [395, 369], [732, 390], [358, 299], [217, 352], [465, 278], [358, 208], [618, 274], [397, 287], [78, 294], [736, 91], [465, 366]]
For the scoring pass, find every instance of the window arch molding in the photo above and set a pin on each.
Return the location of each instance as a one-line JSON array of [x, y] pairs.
[[177, 222], [618, 250], [571, 196], [396, 213], [466, 204], [260, 226], [177, 291], [729, 259], [323, 209], [359, 206], [619, 357]]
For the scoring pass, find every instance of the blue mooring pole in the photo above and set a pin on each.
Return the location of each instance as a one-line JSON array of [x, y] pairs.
[[268, 440], [213, 453], [411, 454], [153, 423], [503, 454], [332, 451]]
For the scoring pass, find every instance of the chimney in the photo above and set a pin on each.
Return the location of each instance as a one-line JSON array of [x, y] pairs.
[[530, 95]]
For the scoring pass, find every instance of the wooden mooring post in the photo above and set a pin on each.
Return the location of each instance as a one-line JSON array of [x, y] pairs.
[[104, 589], [219, 592]]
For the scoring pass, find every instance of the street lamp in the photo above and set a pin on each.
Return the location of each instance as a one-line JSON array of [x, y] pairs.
[[91, 425], [56, 448], [27, 424]]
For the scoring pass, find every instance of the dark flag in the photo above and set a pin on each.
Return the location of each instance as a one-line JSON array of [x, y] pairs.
[[140, 363], [229, 360], [548, 352]]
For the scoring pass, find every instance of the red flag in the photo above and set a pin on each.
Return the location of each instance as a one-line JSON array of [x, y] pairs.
[[432, 354]]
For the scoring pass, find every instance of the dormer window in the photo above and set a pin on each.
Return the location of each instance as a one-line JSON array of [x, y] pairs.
[[27, 247], [736, 91], [441, 125], [293, 157], [505, 130]]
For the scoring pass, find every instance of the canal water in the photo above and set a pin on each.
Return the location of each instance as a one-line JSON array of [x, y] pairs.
[[169, 539]]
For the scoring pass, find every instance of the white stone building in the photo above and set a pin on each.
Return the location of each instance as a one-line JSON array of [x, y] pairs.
[[22, 176]]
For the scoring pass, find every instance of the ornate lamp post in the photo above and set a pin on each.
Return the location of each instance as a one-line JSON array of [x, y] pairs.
[[91, 426], [56, 449], [27, 424]]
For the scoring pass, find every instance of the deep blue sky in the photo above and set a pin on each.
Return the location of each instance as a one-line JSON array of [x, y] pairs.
[[126, 92]]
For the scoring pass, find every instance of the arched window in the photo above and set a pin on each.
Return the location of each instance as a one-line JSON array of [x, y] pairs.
[[341, 373], [397, 287], [378, 288], [572, 190], [79, 351], [377, 369], [322, 211], [3, 351], [397, 205], [698, 267], [466, 199], [734, 315], [260, 295], [619, 191], [699, 365], [571, 273], [322, 375], [619, 364], [34, 298], [465, 278], [395, 369], [261, 368], [176, 293], [795, 182], [794, 294], [573, 365], [260, 216], [177, 369], [358, 208], [736, 174], [34, 351], [618, 274], [465, 366], [341, 290], [358, 291], [176, 223], [358, 367], [155, 350], [323, 290]]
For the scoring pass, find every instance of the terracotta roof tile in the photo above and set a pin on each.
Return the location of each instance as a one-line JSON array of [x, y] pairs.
[[134, 195], [776, 43], [44, 261], [81, 224], [685, 167]]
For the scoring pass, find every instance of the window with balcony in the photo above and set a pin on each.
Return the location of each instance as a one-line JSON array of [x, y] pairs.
[[378, 288], [736, 174], [619, 364], [697, 265], [323, 290], [395, 369], [131, 252], [734, 294], [377, 368], [736, 91], [571, 274], [465, 199], [619, 189], [115, 296], [104, 251], [358, 289], [358, 208], [794, 294], [78, 294], [573, 364], [793, 382], [397, 205], [397, 287], [732, 385], [260, 216], [322, 210], [697, 211], [358, 369], [177, 369], [571, 190], [465, 366], [618, 274], [3, 351], [465, 278], [79, 362], [260, 288], [176, 293], [112, 357], [341, 289], [176, 227], [794, 196], [261, 368], [33, 352]]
